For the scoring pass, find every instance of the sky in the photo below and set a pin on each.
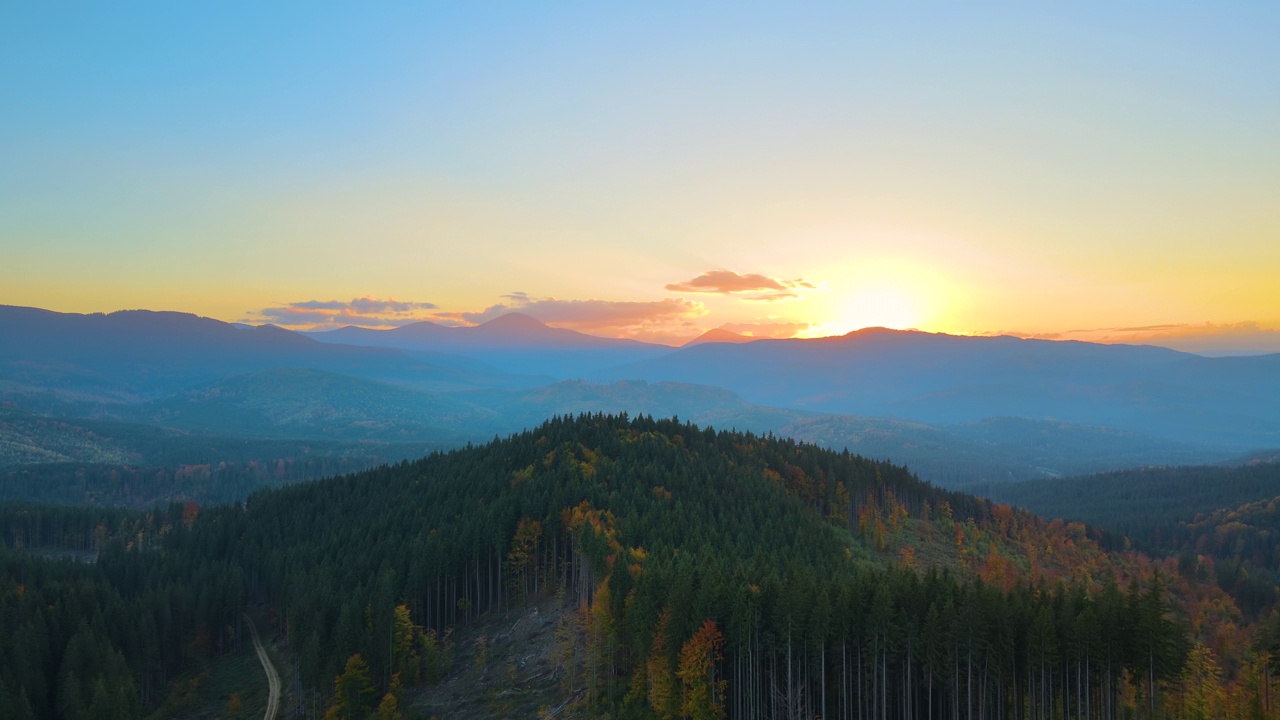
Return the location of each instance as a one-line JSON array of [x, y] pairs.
[[1096, 171]]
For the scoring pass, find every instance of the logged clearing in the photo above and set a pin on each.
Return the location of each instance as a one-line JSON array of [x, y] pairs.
[[504, 667]]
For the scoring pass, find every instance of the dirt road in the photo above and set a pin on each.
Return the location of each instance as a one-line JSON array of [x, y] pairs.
[[273, 677]]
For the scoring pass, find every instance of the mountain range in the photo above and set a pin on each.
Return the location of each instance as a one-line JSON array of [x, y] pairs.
[[513, 343], [956, 409], [937, 378]]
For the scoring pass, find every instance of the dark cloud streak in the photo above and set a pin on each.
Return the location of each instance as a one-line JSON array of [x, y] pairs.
[[329, 314]]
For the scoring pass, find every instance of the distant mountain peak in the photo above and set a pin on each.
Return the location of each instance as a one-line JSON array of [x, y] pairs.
[[422, 327], [276, 331], [719, 335], [514, 321], [878, 330], [143, 312]]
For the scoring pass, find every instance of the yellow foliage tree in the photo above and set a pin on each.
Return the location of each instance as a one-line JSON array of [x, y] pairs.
[[404, 656], [353, 690], [389, 708], [1202, 694]]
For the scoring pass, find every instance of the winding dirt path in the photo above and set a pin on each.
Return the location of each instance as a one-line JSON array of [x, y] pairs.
[[273, 677]]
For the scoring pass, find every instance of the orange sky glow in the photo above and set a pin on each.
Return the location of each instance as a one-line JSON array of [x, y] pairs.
[[1083, 172]]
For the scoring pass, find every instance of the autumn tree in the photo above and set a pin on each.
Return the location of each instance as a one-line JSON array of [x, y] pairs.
[[353, 691], [404, 656], [389, 708], [702, 693], [662, 681], [1202, 685]]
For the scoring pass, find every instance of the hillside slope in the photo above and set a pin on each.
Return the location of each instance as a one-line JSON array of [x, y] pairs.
[[1219, 522], [720, 569]]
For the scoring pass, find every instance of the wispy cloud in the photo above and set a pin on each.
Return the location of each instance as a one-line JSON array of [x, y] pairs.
[[1242, 338], [367, 306], [367, 311], [773, 297], [726, 282]]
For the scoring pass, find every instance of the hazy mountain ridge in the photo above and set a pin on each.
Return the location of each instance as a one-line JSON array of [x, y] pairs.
[[1012, 449], [32, 440], [317, 412], [294, 402], [136, 355], [923, 399], [513, 342], [936, 378], [719, 335]]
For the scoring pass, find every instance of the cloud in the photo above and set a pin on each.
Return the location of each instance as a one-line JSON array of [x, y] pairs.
[[330, 314], [366, 306], [773, 297], [1242, 338], [668, 320], [1143, 328], [1025, 335], [725, 282], [778, 330]]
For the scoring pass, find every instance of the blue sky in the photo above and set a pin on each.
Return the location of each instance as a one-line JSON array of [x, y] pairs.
[[999, 168]]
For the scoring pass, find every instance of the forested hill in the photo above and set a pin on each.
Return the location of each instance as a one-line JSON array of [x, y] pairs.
[[1220, 522], [708, 571], [1143, 504]]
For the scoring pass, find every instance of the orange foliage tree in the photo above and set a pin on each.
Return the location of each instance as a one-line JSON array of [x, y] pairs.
[[702, 696], [662, 682]]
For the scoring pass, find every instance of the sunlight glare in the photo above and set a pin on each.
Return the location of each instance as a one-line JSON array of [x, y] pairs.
[[880, 305]]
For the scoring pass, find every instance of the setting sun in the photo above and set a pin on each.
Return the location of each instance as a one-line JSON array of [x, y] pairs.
[[884, 305]]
